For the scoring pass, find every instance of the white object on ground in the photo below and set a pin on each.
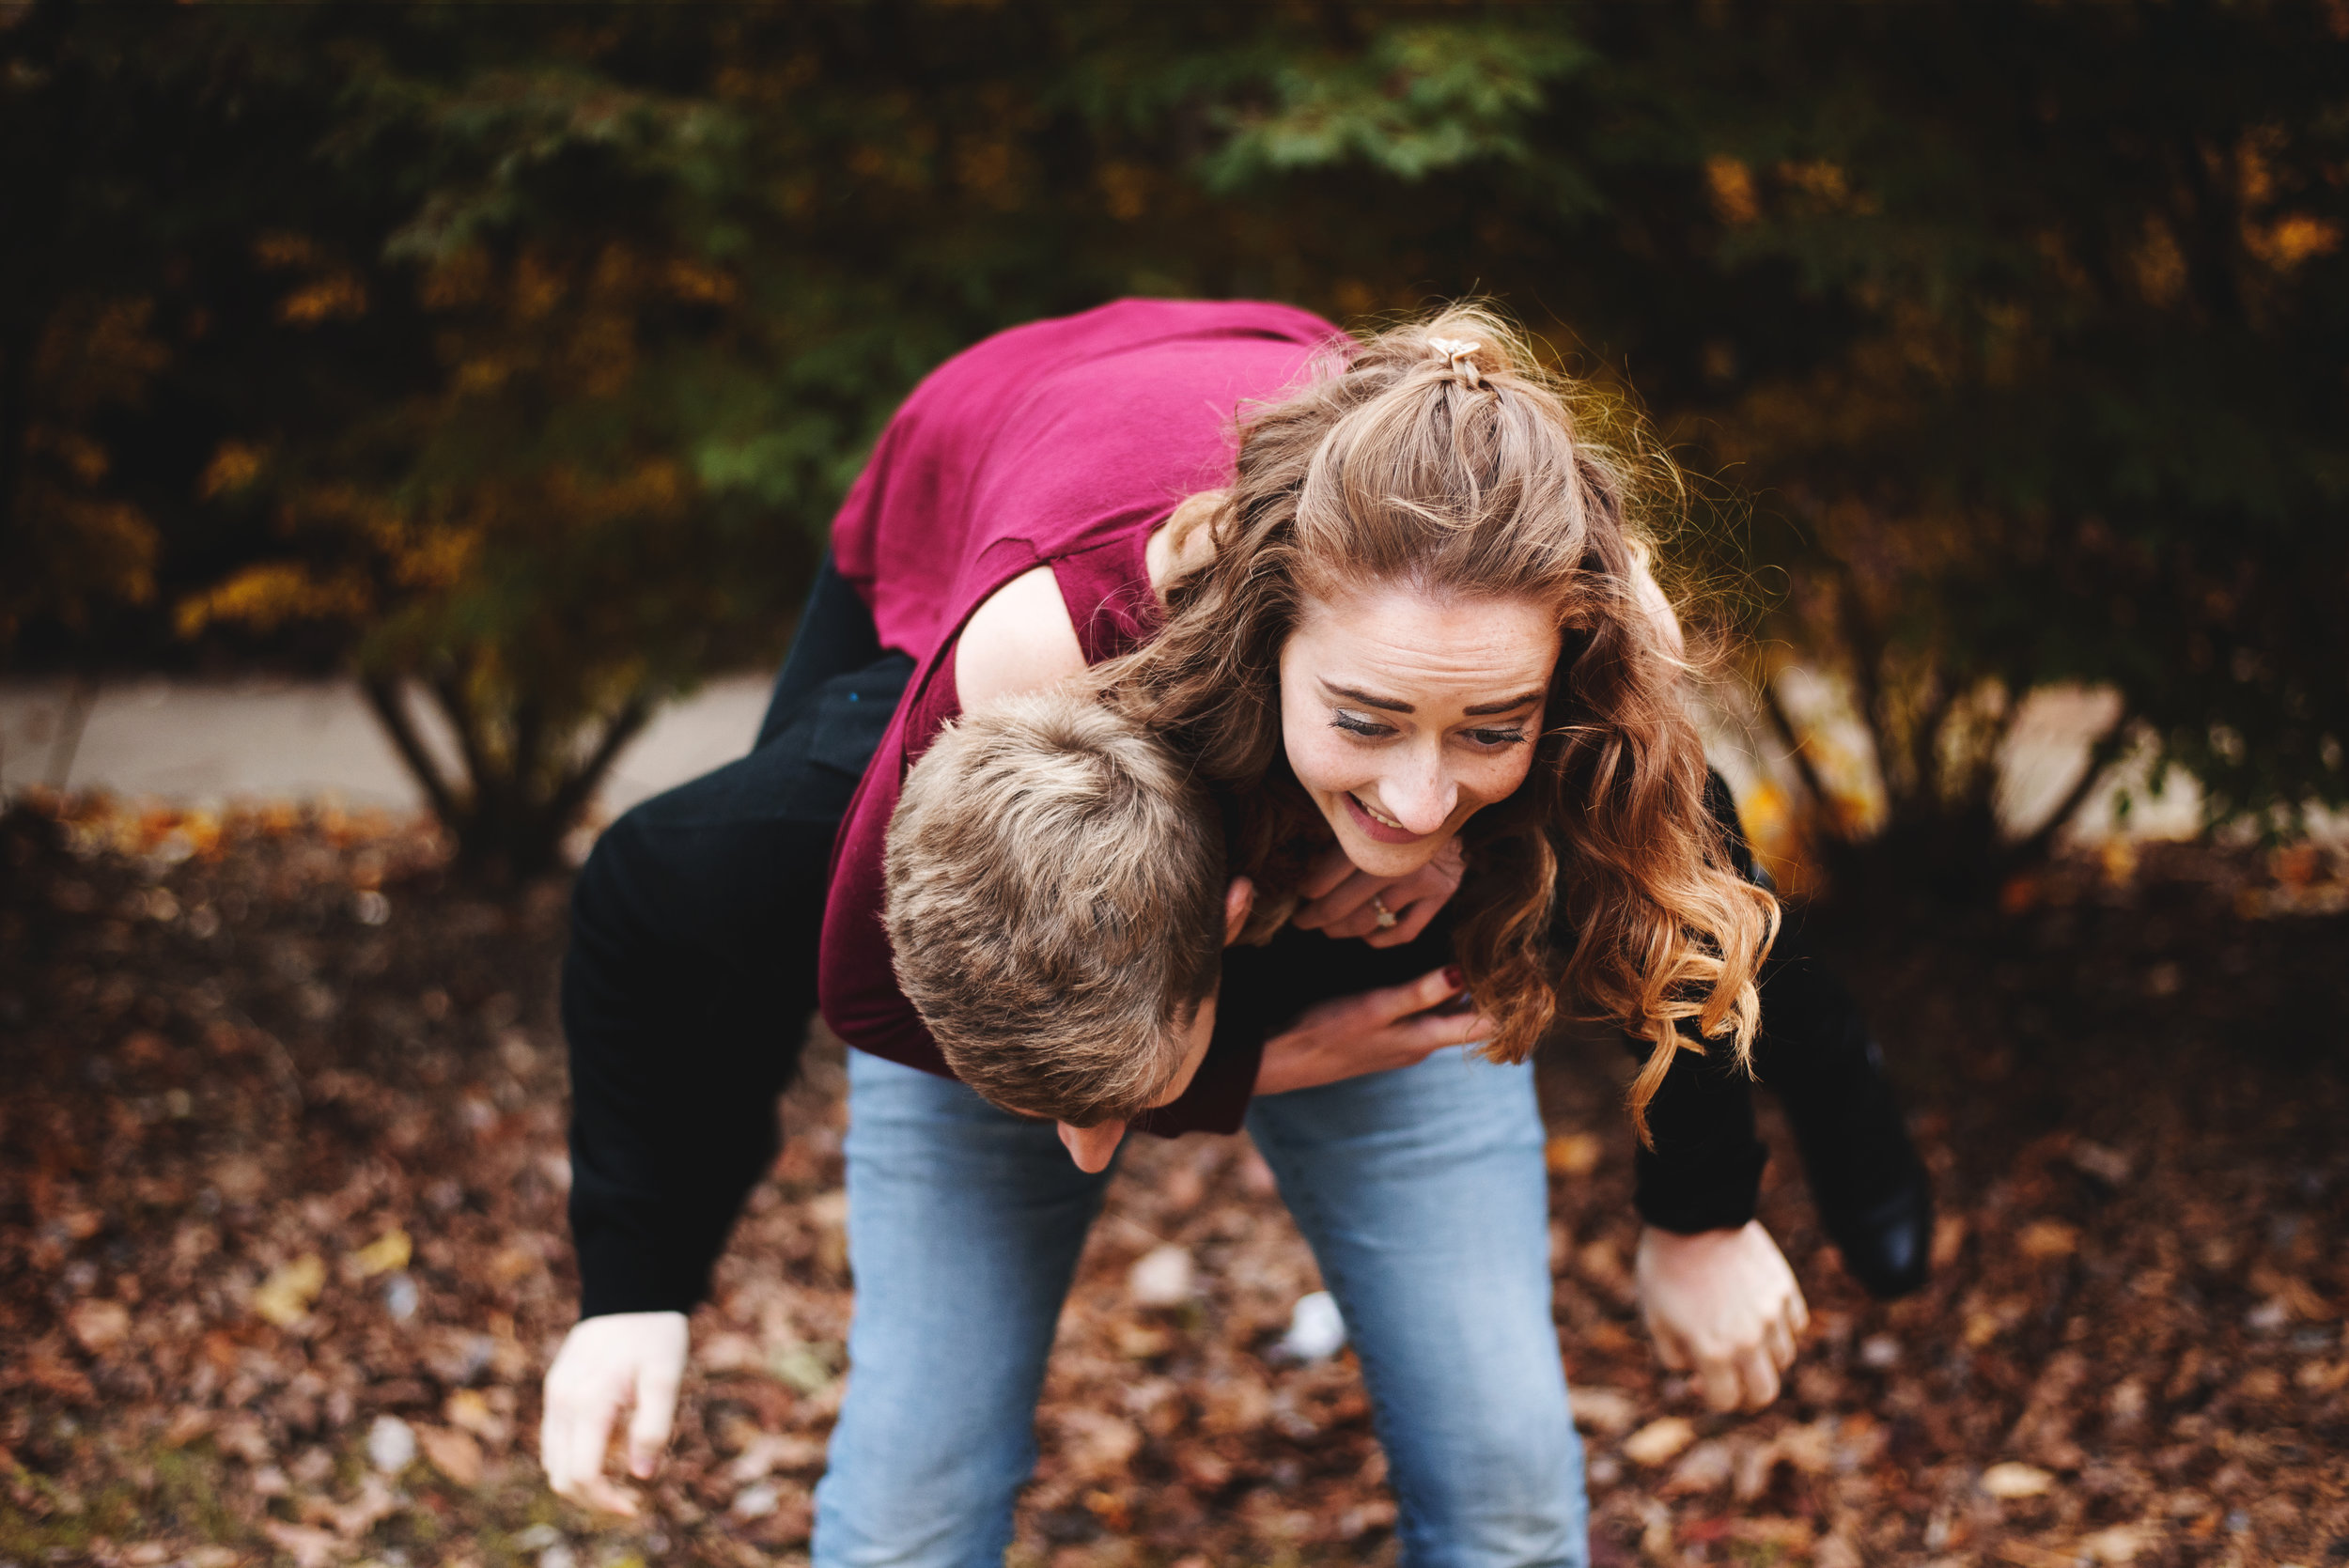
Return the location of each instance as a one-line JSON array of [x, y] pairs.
[[391, 1445], [1161, 1276], [1316, 1327]]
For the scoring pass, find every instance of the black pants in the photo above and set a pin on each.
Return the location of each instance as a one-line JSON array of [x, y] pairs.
[[691, 969]]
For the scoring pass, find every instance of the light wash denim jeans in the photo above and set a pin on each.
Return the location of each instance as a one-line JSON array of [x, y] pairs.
[[1422, 1196]]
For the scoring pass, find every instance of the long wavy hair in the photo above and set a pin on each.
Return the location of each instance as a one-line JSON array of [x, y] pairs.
[[1602, 888]]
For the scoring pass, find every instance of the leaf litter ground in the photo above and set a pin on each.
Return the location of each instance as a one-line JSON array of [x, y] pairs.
[[283, 1256]]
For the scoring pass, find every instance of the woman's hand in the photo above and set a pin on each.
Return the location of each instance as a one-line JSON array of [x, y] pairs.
[[1336, 898], [622, 1359], [1725, 1303], [1371, 1032]]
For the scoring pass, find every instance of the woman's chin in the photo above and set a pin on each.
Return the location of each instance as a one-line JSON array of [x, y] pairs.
[[1375, 859]]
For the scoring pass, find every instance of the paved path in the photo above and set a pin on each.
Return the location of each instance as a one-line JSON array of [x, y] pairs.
[[199, 743], [210, 742]]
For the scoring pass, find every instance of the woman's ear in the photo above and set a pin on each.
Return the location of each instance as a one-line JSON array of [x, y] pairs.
[[1238, 899]]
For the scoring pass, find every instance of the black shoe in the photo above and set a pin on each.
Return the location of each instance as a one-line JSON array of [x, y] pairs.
[[1874, 1195], [1887, 1243]]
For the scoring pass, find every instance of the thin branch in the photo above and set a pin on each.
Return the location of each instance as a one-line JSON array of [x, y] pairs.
[[582, 781], [1798, 750], [1924, 740], [2101, 756], [1867, 657], [382, 694], [450, 693]]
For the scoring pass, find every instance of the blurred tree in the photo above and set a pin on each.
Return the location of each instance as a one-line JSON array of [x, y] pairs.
[[521, 354]]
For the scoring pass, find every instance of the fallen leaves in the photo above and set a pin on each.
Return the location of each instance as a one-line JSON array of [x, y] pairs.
[[1660, 1440], [284, 1298], [2012, 1479], [98, 1326], [453, 1452], [2184, 1288], [386, 1252]]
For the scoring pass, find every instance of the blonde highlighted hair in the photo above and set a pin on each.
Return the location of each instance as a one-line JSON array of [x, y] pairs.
[[1602, 887]]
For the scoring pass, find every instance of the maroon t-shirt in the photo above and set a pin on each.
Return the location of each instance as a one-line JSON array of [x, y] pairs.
[[1064, 443]]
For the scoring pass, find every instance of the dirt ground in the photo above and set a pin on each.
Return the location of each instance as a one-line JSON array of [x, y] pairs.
[[283, 1256]]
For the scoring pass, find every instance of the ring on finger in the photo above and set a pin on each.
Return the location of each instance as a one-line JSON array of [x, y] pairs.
[[1386, 916]]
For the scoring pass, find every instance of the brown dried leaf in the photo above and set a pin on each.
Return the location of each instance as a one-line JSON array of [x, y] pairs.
[[284, 1298], [98, 1326], [1660, 1440], [453, 1452]]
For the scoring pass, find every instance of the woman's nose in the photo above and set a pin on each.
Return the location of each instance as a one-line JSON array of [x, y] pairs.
[[1419, 798]]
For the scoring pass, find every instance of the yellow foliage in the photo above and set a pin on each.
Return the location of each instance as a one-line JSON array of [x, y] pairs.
[[98, 351], [232, 468], [265, 596], [690, 281], [2292, 240], [538, 287], [461, 278], [1732, 184], [1818, 177], [80, 456], [2160, 266], [337, 294], [282, 250], [436, 557]]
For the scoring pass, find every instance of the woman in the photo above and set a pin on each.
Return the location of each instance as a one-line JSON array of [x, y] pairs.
[[1409, 623]]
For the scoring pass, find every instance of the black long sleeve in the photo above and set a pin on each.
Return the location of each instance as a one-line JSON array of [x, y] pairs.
[[1814, 1050]]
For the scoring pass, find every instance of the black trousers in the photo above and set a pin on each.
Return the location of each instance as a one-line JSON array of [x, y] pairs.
[[691, 974]]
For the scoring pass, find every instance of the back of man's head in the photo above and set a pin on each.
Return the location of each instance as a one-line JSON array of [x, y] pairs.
[[1055, 904]]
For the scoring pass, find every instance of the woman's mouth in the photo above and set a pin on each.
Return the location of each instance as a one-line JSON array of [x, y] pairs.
[[1374, 825]]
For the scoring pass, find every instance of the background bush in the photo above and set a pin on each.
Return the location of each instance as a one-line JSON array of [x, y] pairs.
[[516, 357]]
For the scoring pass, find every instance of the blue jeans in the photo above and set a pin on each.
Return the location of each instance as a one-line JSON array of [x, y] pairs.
[[1422, 1193]]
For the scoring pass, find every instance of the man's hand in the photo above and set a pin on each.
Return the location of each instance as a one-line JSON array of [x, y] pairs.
[[1336, 898], [1370, 1033], [1725, 1303], [623, 1359]]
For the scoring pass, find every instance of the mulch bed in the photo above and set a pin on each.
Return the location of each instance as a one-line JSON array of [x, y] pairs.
[[283, 1256]]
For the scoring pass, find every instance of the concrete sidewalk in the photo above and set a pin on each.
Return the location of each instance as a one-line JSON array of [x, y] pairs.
[[195, 742], [209, 743]]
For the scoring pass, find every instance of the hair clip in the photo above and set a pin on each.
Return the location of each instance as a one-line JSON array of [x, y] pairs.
[[1460, 355]]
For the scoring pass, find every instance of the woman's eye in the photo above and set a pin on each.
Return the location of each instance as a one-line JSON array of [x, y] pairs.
[[1497, 738], [1354, 723]]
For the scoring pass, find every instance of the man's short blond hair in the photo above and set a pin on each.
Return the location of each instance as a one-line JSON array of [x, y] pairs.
[[1055, 902]]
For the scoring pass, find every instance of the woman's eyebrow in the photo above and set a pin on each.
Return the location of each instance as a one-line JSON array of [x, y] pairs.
[[1355, 694], [1389, 704], [1483, 710]]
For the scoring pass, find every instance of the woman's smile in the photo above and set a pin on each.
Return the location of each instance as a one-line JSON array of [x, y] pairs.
[[1405, 713], [1386, 830]]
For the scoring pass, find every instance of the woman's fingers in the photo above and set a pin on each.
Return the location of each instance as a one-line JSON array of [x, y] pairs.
[[648, 1426], [1778, 1338], [1409, 921], [1329, 869], [1348, 908], [582, 1443], [1758, 1375], [1717, 1377], [1428, 1035], [1397, 1002]]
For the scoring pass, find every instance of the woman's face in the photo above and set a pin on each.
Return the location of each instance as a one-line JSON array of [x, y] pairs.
[[1403, 712]]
